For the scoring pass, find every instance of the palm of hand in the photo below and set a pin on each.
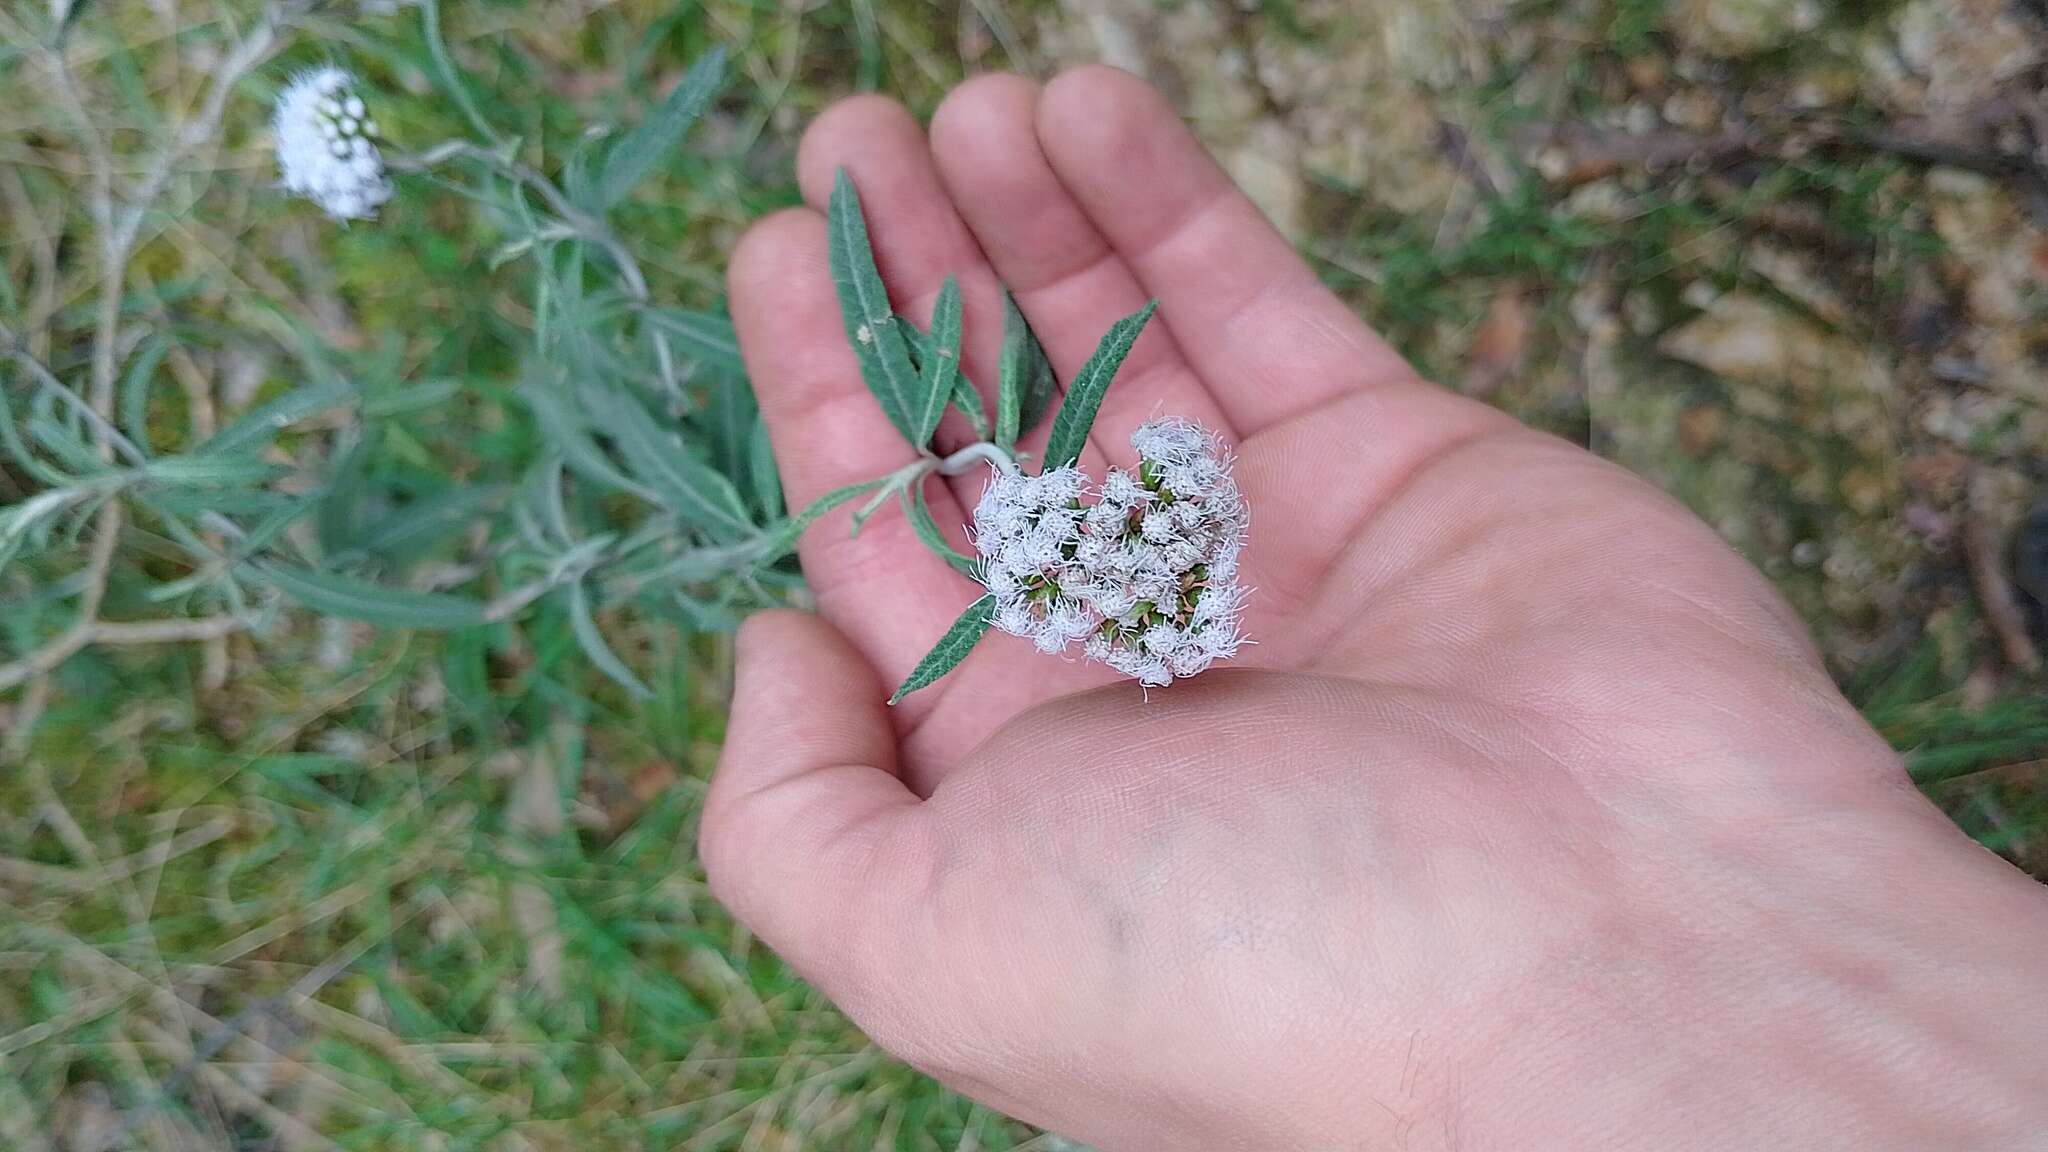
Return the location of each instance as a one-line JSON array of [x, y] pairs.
[[1487, 664]]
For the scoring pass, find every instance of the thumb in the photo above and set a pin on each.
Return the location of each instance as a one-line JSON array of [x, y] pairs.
[[806, 830]]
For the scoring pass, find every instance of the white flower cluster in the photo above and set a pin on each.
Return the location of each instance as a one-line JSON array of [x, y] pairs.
[[1144, 577], [326, 145]]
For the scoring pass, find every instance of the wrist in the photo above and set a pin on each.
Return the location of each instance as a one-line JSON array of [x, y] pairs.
[[1877, 987]]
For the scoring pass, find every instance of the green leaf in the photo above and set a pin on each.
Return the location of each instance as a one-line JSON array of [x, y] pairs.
[[411, 397], [135, 384], [683, 484], [728, 418], [784, 536], [706, 337], [563, 426], [872, 329], [584, 625], [951, 649], [761, 469], [968, 401], [941, 372], [333, 594], [1026, 384], [919, 513], [636, 154], [11, 443], [260, 425], [1084, 393], [436, 518], [965, 397], [211, 470]]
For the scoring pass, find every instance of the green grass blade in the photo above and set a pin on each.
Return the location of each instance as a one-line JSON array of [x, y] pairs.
[[1084, 393], [951, 649], [637, 152], [1025, 387], [871, 327], [353, 599]]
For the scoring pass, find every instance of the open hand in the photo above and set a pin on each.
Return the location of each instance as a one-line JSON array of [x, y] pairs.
[[1531, 819]]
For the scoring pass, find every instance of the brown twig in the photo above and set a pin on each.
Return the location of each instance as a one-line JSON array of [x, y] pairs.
[[1995, 594]]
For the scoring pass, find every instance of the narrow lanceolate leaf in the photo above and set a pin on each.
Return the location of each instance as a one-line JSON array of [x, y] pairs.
[[784, 536], [919, 513], [761, 470], [968, 401], [706, 337], [942, 363], [965, 398], [952, 648], [563, 426], [584, 625], [1084, 392], [1026, 385], [871, 327], [207, 470], [683, 484], [352, 599], [259, 425], [637, 152]]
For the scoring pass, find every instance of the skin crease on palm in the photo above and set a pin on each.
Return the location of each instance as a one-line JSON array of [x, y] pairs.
[[1530, 821]]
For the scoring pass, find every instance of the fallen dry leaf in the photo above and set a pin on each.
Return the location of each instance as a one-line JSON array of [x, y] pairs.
[[1500, 343]]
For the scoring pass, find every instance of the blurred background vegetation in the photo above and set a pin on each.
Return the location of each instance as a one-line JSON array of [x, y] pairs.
[[334, 885]]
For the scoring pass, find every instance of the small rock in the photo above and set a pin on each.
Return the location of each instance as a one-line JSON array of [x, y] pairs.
[[1964, 49], [1731, 29]]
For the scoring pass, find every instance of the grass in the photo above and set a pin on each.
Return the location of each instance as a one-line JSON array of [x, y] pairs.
[[387, 891]]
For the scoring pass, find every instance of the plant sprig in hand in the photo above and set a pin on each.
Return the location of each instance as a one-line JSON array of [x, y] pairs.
[[1140, 571]]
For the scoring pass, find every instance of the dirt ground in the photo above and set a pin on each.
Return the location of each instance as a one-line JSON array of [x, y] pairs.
[[1788, 263]]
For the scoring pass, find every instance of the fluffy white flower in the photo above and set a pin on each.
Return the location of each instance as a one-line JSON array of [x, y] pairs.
[[326, 145], [1145, 576]]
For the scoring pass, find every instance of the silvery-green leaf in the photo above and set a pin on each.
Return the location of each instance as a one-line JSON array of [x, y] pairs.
[[706, 337], [915, 342], [951, 649], [683, 484], [437, 517], [872, 329], [592, 641], [1084, 392], [259, 425], [965, 397], [59, 435], [1025, 386], [11, 443], [941, 372], [135, 384], [388, 605], [783, 537], [919, 513], [637, 152], [968, 401], [211, 470], [411, 397], [563, 426], [728, 417], [766, 477]]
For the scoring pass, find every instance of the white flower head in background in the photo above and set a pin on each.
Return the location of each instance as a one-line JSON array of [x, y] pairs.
[[326, 145], [1145, 577]]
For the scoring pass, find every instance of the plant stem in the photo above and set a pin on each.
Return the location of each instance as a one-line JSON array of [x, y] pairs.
[[986, 451]]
